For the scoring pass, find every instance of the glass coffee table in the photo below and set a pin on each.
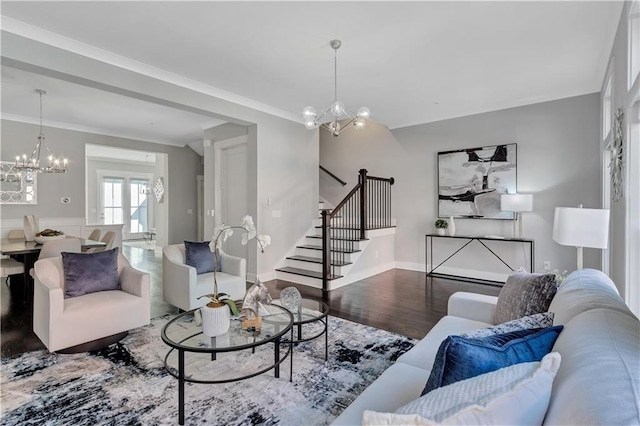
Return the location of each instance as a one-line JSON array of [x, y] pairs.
[[187, 341], [309, 314]]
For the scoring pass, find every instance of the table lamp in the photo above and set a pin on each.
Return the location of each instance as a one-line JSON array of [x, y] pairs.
[[516, 203], [580, 228]]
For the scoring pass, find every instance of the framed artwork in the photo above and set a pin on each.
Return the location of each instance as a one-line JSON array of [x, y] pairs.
[[470, 181], [17, 187]]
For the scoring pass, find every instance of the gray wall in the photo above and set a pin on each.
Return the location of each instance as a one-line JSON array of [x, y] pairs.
[[558, 162], [184, 165]]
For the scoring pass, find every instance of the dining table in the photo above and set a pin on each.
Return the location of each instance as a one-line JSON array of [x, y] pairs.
[[28, 252]]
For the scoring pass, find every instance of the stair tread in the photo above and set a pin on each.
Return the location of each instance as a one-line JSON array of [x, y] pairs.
[[306, 273], [333, 249], [317, 260], [339, 239], [357, 228]]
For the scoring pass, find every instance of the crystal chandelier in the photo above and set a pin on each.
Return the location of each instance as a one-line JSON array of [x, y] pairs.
[[32, 163], [312, 120]]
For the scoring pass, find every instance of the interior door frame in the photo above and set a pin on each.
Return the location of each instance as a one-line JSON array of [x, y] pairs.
[[218, 149], [200, 206], [126, 207]]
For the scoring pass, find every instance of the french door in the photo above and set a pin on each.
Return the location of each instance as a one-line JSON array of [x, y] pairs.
[[125, 199]]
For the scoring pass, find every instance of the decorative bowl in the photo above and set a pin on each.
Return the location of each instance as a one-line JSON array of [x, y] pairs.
[[41, 240]]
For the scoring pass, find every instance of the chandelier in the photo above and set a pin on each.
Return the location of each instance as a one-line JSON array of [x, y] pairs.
[[312, 120], [32, 163]]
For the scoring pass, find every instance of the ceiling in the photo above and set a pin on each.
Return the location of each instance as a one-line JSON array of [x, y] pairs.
[[409, 62]]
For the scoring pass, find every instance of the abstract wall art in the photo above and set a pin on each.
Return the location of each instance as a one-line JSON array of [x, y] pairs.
[[470, 181]]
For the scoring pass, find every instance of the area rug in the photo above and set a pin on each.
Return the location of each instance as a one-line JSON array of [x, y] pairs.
[[127, 384]]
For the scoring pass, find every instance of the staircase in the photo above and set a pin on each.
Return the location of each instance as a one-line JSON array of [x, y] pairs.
[[334, 251]]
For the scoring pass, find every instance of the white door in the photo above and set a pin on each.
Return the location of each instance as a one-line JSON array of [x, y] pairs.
[[137, 222], [233, 187], [111, 200], [125, 200]]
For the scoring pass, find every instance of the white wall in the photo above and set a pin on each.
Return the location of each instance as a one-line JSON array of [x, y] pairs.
[[558, 162]]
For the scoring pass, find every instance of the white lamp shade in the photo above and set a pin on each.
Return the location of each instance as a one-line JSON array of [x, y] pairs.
[[581, 227], [516, 202]]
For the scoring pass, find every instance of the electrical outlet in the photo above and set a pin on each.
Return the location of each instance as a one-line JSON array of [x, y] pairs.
[[547, 265]]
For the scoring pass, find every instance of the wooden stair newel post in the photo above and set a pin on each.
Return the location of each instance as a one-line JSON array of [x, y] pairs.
[[326, 250], [362, 180]]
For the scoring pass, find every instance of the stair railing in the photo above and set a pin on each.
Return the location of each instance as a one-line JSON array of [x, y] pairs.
[[336, 178], [367, 206]]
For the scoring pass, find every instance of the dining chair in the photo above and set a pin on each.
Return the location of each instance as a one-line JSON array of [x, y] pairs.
[[16, 234], [95, 235], [9, 267], [108, 239], [54, 248]]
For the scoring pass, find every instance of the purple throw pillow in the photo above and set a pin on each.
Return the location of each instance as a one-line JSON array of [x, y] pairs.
[[86, 273], [200, 256]]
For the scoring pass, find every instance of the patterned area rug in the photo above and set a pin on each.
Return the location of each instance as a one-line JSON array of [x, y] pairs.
[[127, 383]]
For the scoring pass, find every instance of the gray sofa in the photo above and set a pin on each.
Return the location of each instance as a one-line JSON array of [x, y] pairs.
[[598, 381]]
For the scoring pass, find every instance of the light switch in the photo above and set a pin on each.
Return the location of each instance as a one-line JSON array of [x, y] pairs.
[[276, 213], [189, 211]]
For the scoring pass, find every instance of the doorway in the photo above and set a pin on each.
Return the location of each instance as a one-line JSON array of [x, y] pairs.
[[124, 199], [231, 188]]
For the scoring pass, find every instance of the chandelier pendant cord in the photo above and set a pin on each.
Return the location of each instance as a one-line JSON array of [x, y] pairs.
[[313, 119], [335, 74], [32, 163]]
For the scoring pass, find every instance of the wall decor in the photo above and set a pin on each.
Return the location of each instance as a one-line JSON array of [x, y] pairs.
[[470, 181], [616, 164], [17, 187], [158, 190]]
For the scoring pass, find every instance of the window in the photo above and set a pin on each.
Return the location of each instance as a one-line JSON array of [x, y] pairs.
[[112, 209], [139, 190]]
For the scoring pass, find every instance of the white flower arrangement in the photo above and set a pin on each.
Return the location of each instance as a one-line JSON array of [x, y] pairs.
[[220, 234]]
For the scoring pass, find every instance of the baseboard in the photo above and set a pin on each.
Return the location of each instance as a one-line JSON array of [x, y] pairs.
[[267, 276], [351, 278], [411, 266]]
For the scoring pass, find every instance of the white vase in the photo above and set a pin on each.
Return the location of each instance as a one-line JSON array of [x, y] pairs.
[[215, 321], [31, 226], [452, 226]]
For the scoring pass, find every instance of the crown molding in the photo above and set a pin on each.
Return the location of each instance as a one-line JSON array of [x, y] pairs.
[[59, 41], [86, 129]]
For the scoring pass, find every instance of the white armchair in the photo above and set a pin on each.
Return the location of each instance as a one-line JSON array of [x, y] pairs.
[[182, 286], [64, 323]]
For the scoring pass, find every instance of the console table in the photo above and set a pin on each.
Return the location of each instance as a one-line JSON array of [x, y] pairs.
[[432, 269]]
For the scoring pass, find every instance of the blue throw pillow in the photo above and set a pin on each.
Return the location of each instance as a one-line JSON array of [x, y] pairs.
[[460, 358], [200, 256], [86, 273]]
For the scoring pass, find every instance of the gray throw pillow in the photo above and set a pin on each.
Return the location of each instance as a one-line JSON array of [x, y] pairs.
[[525, 294], [542, 320], [200, 256], [86, 273]]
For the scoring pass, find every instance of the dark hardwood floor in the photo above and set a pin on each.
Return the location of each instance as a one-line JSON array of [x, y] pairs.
[[401, 301]]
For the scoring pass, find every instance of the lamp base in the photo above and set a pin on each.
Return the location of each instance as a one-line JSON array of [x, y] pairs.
[[579, 259]]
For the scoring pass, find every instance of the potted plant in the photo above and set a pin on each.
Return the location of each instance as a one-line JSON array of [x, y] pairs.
[[216, 314], [441, 225]]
